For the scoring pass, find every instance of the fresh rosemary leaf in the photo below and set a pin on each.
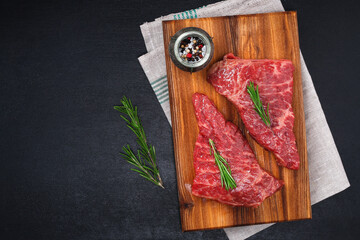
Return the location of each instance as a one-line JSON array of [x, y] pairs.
[[227, 181], [255, 97], [145, 160]]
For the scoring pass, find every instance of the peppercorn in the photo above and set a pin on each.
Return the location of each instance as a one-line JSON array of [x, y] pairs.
[[190, 49]]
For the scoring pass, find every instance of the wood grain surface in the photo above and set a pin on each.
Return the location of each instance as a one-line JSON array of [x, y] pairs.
[[259, 36]]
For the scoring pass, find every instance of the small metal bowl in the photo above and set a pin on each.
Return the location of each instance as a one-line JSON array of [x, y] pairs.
[[184, 64]]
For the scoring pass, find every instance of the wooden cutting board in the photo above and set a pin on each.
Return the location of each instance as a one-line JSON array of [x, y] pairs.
[[259, 36]]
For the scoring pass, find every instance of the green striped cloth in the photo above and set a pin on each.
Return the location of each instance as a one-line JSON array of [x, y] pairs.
[[187, 14], [161, 90]]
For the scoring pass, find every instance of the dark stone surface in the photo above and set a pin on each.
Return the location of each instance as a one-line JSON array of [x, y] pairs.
[[64, 64]]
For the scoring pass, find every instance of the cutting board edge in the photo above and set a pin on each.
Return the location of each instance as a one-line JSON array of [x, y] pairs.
[[174, 129], [237, 225], [242, 15], [306, 160]]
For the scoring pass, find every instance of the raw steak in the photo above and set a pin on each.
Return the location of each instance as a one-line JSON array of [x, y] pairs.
[[253, 183], [275, 81]]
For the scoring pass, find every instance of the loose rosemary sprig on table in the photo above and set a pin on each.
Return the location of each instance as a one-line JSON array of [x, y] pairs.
[[255, 97], [225, 171], [145, 160]]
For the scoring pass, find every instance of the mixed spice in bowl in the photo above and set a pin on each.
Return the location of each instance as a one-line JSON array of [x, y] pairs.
[[191, 49]]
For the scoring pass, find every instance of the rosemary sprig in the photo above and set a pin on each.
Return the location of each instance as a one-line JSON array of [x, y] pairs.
[[145, 160], [255, 97], [225, 171]]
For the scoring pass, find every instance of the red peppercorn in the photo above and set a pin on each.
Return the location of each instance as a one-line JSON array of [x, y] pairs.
[[200, 46], [200, 55], [189, 38], [189, 55]]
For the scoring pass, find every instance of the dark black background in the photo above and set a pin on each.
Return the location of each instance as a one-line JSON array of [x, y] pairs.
[[64, 64]]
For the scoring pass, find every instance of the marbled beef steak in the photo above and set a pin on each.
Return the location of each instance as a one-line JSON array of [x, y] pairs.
[[253, 183], [275, 81]]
